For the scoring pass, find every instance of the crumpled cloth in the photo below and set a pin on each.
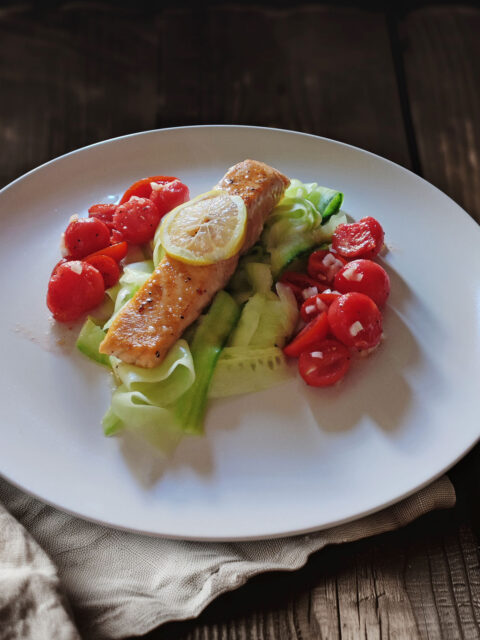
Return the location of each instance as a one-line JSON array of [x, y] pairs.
[[121, 584]]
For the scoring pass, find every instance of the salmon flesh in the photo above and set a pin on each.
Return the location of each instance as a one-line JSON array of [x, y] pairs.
[[176, 293]]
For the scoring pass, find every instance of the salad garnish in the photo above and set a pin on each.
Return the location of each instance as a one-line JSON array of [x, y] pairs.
[[295, 282]]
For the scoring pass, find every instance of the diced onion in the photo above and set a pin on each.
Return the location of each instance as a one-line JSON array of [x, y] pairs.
[[355, 328], [76, 266], [329, 260], [309, 292], [333, 265], [352, 274]]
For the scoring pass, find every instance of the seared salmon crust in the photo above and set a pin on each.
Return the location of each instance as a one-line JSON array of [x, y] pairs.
[[176, 293]]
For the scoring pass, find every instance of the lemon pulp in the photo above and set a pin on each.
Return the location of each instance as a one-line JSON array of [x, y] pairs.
[[205, 230]]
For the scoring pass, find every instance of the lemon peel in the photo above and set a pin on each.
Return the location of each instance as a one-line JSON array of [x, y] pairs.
[[206, 229]]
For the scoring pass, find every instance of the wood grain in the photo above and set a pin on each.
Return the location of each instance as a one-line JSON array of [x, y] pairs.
[[79, 74], [289, 69], [442, 63], [69, 78]]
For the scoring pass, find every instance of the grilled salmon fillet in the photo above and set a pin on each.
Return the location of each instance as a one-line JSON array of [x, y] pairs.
[[176, 293]]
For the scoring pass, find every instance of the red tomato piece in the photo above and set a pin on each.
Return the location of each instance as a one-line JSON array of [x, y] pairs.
[[323, 265], [168, 196], [108, 268], [116, 236], [312, 307], [143, 188], [116, 251], [309, 336], [62, 261], [355, 320], [362, 239], [325, 365], [328, 296], [316, 304], [103, 212], [74, 288], [137, 220], [365, 277], [86, 235], [300, 283]]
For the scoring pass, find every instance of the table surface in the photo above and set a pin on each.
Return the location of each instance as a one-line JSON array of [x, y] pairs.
[[403, 83]]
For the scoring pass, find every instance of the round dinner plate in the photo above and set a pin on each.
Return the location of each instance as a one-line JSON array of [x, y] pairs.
[[283, 461]]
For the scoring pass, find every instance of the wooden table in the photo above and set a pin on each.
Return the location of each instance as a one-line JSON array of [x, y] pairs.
[[404, 84]]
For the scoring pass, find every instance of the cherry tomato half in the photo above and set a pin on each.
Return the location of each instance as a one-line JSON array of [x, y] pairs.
[[86, 235], [309, 336], [355, 320], [317, 304], [103, 212], [108, 268], [168, 196], [137, 220], [362, 239], [116, 251], [328, 296], [323, 265], [61, 261], [299, 283], [365, 277], [74, 288], [143, 188], [325, 365]]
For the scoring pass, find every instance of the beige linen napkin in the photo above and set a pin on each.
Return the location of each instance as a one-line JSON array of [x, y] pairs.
[[122, 584]]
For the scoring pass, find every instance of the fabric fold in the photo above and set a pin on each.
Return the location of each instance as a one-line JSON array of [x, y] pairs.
[[32, 603], [122, 584]]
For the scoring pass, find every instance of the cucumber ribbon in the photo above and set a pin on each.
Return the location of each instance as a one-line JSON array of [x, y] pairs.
[[229, 350]]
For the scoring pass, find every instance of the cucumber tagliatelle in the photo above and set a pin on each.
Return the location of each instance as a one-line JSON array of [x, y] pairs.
[[168, 401], [305, 217]]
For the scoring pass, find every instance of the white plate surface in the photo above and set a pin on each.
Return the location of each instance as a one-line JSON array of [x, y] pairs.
[[284, 461]]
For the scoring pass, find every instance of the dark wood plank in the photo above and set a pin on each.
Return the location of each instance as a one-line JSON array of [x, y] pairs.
[[79, 74], [290, 69], [441, 55], [442, 64], [72, 77]]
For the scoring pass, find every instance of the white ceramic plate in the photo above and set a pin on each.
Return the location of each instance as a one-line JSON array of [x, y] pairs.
[[288, 460]]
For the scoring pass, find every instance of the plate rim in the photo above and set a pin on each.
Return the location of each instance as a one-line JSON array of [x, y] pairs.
[[235, 126], [291, 532], [252, 538]]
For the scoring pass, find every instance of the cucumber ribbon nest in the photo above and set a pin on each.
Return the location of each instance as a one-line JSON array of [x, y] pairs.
[[236, 346]]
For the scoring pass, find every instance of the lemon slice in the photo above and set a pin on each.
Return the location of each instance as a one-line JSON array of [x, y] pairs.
[[205, 230]]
